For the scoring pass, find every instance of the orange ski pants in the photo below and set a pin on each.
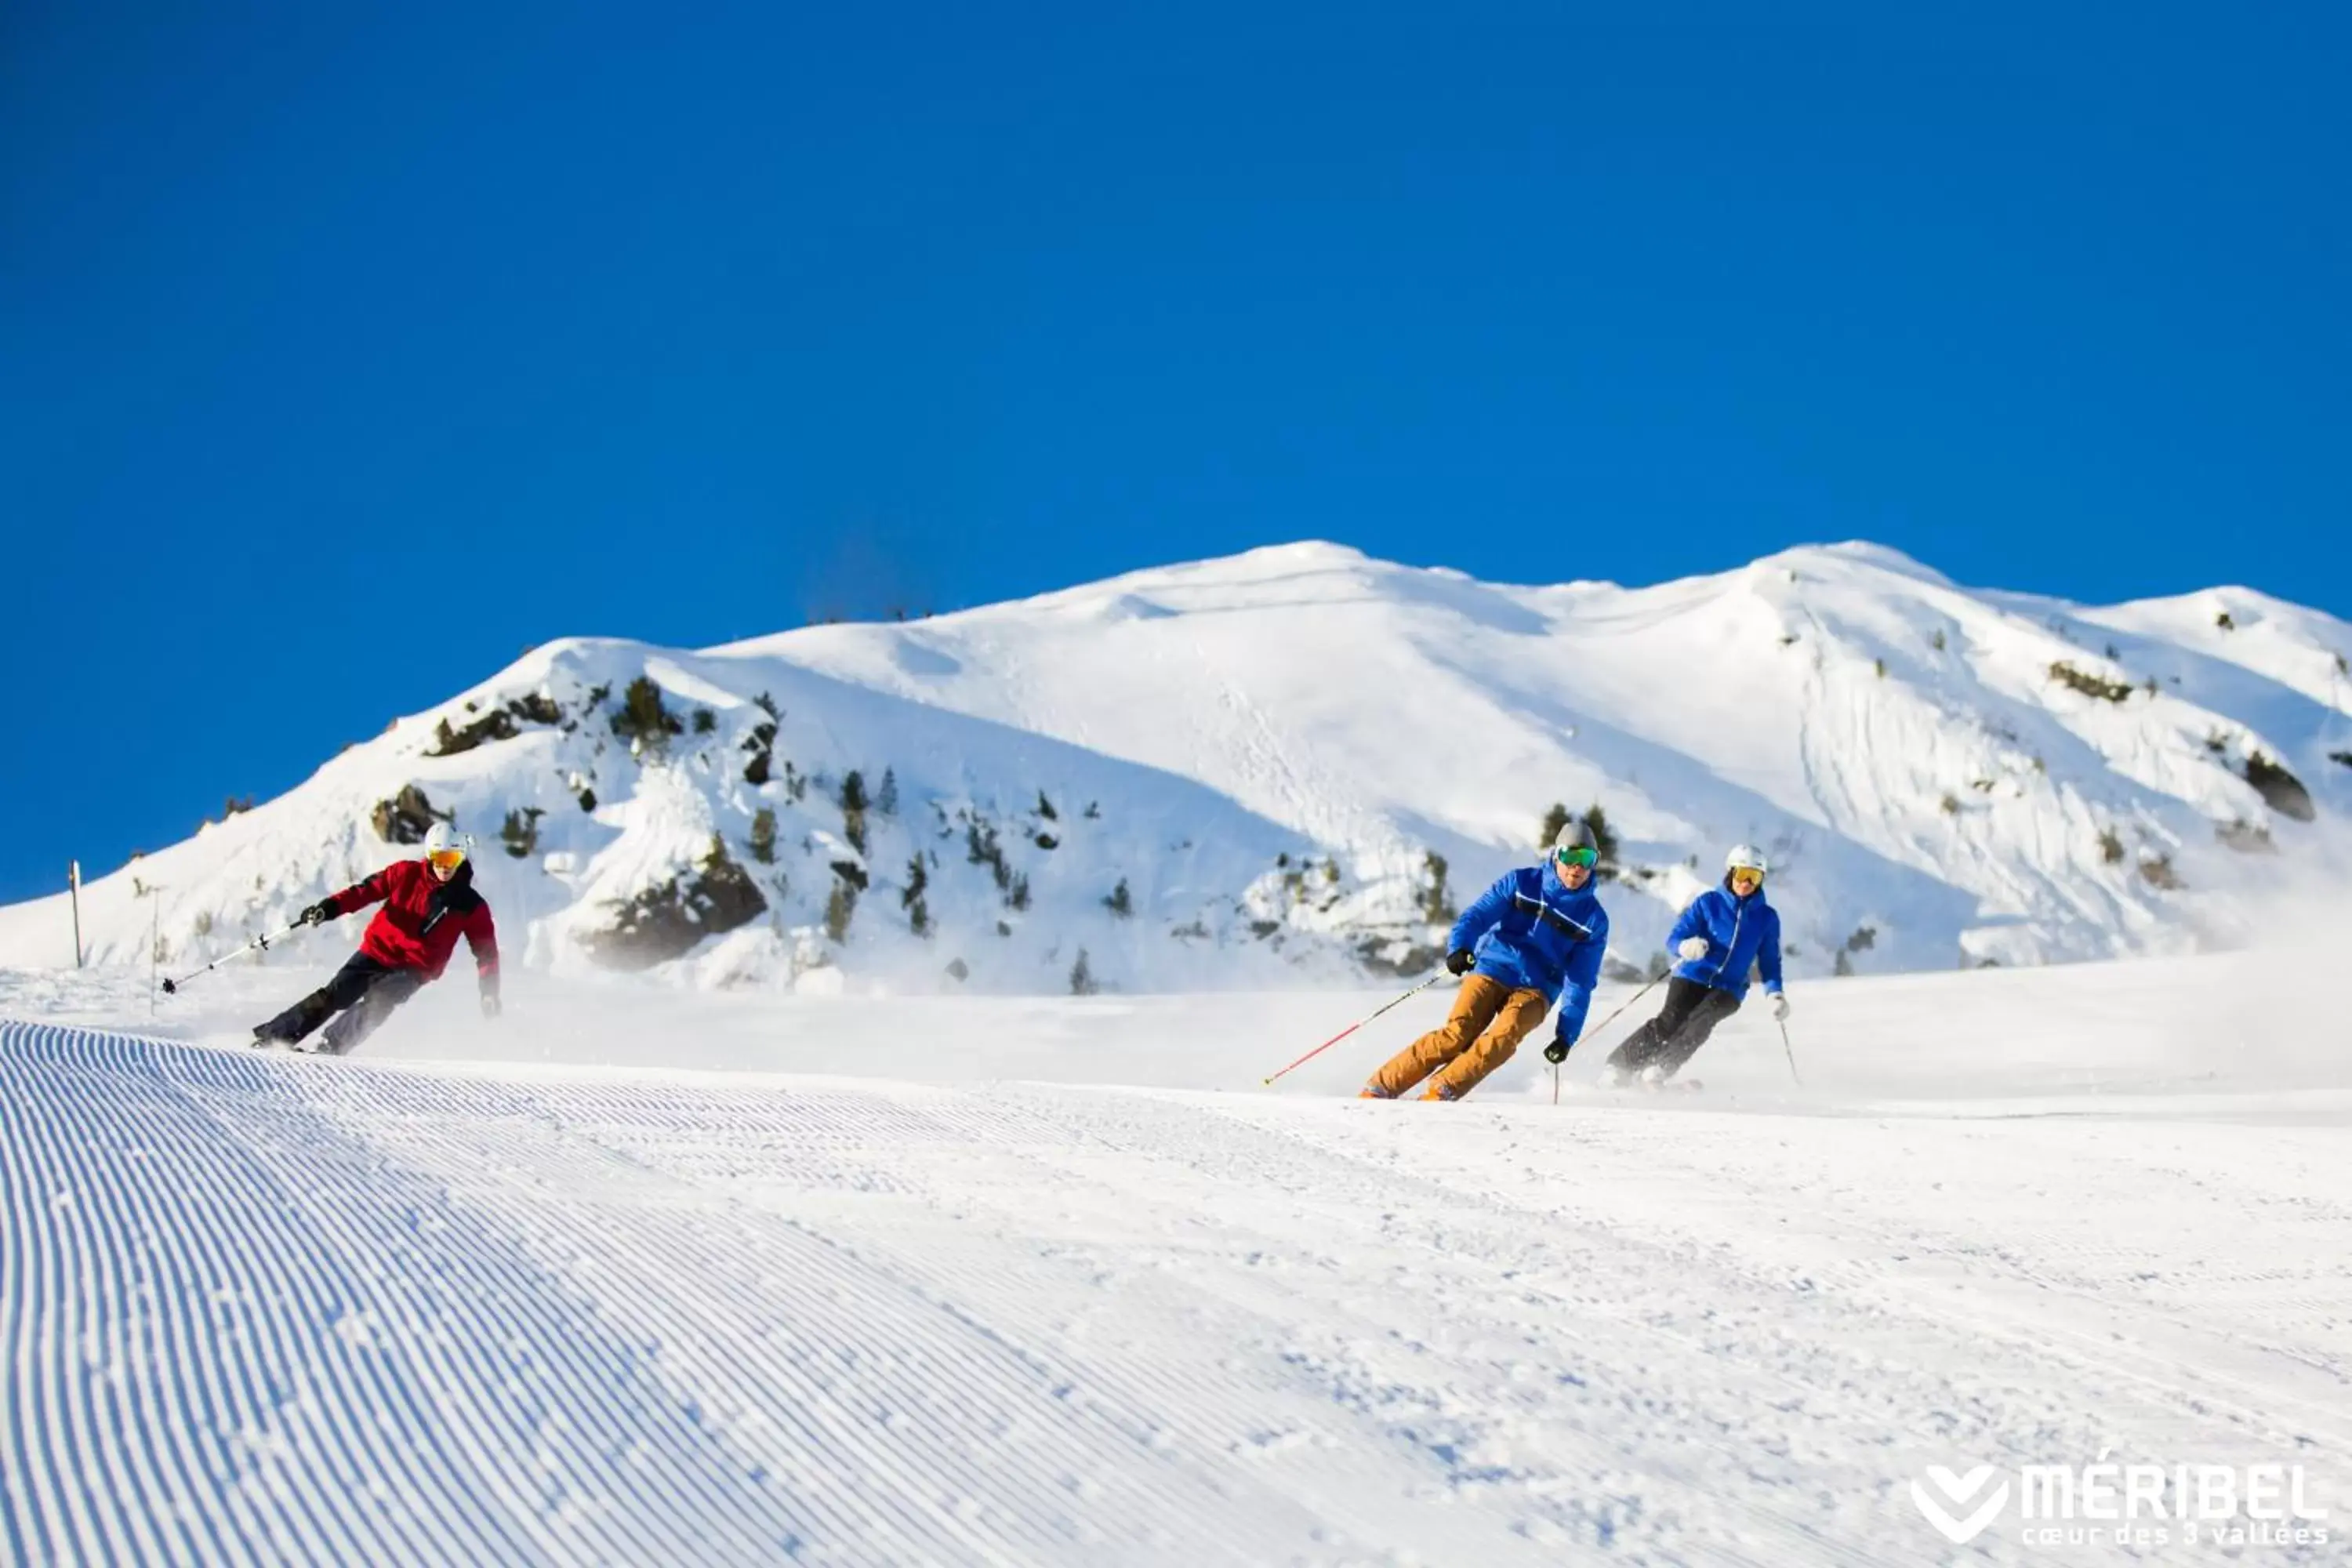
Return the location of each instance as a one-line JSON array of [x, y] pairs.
[[1488, 1020]]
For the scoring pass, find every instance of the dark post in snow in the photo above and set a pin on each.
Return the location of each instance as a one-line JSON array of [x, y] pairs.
[[73, 880], [155, 944]]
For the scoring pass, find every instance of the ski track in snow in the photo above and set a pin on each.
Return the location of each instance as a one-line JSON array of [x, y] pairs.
[[265, 1309]]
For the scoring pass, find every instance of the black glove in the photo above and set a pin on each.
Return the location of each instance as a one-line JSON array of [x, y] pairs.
[[318, 914], [1461, 961], [489, 1003], [1556, 1052]]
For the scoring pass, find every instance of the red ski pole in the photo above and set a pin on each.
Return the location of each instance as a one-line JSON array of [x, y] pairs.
[[1360, 1024]]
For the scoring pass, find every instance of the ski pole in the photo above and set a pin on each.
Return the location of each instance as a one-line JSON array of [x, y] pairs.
[[259, 944], [1604, 1022], [1621, 1007], [1791, 1054], [1358, 1025]]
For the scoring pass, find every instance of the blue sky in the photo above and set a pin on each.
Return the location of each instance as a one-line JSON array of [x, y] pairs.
[[346, 351]]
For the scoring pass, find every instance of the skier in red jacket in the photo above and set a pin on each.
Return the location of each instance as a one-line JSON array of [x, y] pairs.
[[428, 905]]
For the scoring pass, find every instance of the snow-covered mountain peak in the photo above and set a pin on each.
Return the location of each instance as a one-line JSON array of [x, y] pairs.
[[1311, 572], [1297, 761], [1855, 554]]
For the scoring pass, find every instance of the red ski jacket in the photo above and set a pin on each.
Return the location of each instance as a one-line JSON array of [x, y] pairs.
[[421, 918]]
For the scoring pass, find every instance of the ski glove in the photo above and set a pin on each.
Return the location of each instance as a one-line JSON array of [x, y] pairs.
[[1693, 948], [489, 1003], [318, 914], [1461, 961], [1779, 1007], [1556, 1052]]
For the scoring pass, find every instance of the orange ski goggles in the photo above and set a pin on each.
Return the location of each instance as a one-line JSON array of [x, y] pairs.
[[448, 859]]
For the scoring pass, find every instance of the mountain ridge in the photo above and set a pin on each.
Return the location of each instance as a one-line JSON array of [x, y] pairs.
[[1288, 763]]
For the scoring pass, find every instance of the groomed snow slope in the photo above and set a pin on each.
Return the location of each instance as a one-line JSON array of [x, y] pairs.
[[262, 1308]]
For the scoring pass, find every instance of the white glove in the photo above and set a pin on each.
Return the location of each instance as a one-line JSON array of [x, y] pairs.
[[1780, 1007], [1693, 948]]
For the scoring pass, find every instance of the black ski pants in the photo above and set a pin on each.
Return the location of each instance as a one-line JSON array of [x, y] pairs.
[[1673, 1036], [363, 991]]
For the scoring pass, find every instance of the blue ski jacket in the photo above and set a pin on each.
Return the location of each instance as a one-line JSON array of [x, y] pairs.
[[1532, 933], [1739, 931]]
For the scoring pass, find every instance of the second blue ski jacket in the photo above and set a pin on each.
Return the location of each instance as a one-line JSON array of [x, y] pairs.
[[1738, 931]]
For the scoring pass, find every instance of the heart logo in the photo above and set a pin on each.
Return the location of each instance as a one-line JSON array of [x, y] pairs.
[[1958, 1491]]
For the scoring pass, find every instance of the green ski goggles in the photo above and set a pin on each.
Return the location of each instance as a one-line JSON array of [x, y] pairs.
[[1587, 859]]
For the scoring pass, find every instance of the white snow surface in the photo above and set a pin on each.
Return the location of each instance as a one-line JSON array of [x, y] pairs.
[[1265, 752], [638, 1275]]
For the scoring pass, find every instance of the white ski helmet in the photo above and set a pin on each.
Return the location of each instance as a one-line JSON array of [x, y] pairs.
[[442, 842], [1749, 856]]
